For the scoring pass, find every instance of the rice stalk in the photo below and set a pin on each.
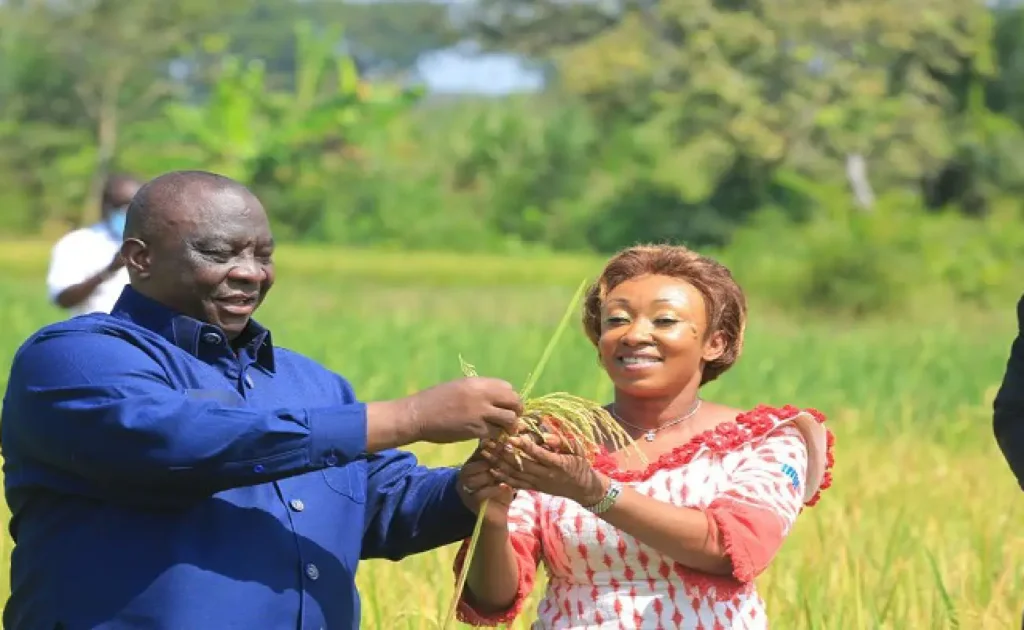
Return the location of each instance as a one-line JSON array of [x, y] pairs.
[[584, 426]]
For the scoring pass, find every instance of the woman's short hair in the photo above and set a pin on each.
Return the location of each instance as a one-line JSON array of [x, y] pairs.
[[724, 299]]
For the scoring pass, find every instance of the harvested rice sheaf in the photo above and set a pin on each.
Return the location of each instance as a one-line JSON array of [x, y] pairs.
[[584, 425]]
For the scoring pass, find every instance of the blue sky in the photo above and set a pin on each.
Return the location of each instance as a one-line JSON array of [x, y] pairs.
[[452, 71], [459, 70]]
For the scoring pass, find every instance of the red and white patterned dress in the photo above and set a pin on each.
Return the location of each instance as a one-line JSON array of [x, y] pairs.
[[751, 477]]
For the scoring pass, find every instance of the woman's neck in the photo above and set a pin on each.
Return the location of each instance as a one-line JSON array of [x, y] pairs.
[[651, 413]]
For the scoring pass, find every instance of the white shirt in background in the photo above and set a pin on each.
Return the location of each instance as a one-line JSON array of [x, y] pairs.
[[80, 255]]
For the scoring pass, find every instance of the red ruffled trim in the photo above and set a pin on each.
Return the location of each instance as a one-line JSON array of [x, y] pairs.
[[830, 461], [749, 536], [721, 588], [524, 546], [727, 436]]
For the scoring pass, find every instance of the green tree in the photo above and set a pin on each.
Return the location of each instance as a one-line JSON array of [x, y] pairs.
[[710, 96], [116, 57]]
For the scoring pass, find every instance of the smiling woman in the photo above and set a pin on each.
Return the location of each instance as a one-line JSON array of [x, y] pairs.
[[676, 542]]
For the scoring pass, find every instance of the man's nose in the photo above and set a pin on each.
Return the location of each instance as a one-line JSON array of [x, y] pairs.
[[248, 270]]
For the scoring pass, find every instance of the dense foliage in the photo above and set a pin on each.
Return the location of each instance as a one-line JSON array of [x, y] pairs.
[[856, 158]]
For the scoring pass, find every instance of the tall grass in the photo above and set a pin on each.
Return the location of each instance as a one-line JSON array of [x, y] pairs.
[[921, 528]]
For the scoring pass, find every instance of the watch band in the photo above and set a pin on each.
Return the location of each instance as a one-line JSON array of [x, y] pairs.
[[609, 499]]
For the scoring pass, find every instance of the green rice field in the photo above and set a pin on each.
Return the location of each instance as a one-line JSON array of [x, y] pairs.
[[921, 529]]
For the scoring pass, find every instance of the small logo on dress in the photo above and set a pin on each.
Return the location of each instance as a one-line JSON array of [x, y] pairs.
[[790, 472]]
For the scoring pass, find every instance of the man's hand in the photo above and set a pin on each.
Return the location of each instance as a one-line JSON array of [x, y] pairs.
[[115, 264], [476, 485], [464, 409]]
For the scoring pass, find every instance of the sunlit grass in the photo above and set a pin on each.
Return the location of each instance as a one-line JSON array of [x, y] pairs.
[[920, 529]]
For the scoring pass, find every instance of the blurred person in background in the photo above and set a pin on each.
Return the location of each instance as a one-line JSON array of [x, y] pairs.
[[86, 271], [1008, 407]]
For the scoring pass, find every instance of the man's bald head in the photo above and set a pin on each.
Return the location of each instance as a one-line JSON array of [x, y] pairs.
[[174, 196], [200, 243]]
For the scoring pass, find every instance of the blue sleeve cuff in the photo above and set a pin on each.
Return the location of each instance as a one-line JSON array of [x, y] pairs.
[[462, 518], [338, 434]]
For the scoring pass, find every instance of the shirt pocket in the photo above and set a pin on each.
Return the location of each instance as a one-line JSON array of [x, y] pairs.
[[349, 480]]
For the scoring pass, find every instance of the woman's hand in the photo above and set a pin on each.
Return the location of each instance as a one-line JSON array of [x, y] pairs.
[[477, 484], [549, 469]]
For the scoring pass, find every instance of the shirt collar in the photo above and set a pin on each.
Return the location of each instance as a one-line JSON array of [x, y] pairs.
[[186, 332]]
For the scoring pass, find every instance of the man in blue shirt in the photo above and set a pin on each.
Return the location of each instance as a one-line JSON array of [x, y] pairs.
[[167, 467]]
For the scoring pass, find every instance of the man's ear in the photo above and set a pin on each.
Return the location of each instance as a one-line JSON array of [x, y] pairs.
[[137, 257]]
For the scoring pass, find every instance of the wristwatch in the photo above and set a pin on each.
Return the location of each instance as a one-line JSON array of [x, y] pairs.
[[609, 499]]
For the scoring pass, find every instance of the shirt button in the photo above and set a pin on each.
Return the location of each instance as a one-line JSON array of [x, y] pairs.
[[258, 468], [297, 505], [210, 337], [248, 381], [312, 572]]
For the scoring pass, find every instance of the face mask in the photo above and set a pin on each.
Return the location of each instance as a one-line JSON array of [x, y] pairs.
[[116, 221]]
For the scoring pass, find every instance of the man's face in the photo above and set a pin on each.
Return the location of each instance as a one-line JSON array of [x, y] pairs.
[[121, 196], [114, 212], [213, 261]]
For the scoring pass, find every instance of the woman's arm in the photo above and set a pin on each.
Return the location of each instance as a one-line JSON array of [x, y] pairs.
[[742, 528], [687, 535], [737, 534], [504, 566], [493, 579]]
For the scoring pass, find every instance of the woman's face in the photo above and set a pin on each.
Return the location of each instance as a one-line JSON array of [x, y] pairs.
[[654, 338]]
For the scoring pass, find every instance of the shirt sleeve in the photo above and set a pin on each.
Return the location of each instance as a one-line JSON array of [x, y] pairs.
[[69, 264], [411, 508], [100, 413], [753, 514], [524, 535], [1008, 407]]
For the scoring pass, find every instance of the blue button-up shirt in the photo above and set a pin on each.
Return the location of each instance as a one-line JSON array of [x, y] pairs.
[[159, 479]]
